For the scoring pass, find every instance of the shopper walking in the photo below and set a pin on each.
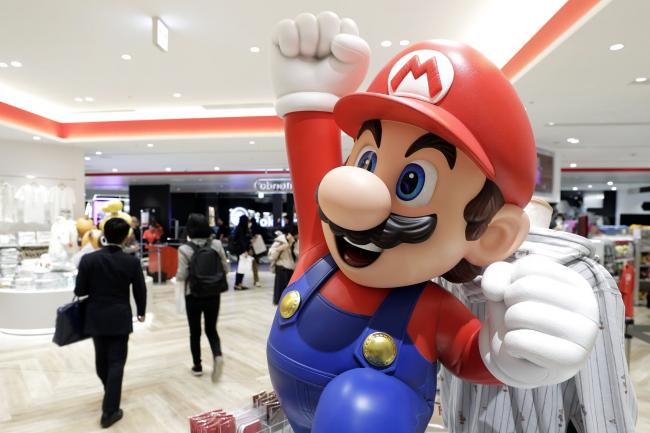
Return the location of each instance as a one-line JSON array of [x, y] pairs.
[[203, 266], [256, 250], [283, 255], [240, 245], [105, 276]]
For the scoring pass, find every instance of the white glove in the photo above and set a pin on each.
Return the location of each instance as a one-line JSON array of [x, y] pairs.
[[542, 322], [315, 61]]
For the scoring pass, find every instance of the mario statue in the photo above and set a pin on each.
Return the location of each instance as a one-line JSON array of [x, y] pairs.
[[442, 167]]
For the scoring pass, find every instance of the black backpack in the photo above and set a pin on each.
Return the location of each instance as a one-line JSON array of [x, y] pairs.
[[206, 274]]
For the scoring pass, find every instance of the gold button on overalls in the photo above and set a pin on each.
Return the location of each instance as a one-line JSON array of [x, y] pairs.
[[289, 304], [379, 349]]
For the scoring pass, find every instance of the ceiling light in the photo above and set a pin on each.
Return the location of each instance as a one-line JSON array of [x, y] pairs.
[[87, 158], [573, 140], [573, 165], [251, 142], [78, 99], [590, 186], [16, 64], [610, 183], [550, 124], [613, 188], [89, 99], [149, 144], [126, 57], [575, 188], [616, 47], [260, 195], [177, 95], [30, 176], [99, 152], [160, 34], [168, 169], [404, 42], [114, 170], [386, 44], [3, 65], [36, 138], [255, 50], [217, 168], [640, 79]]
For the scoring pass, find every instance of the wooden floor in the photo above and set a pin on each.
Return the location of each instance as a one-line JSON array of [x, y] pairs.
[[44, 388]]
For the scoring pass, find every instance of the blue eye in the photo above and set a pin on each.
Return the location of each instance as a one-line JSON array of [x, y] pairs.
[[411, 182], [368, 161]]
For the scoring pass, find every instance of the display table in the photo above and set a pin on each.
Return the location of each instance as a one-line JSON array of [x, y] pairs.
[[33, 311]]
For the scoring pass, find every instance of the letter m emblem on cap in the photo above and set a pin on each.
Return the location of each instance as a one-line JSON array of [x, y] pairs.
[[422, 74]]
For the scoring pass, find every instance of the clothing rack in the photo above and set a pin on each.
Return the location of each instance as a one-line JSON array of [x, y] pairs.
[[63, 179]]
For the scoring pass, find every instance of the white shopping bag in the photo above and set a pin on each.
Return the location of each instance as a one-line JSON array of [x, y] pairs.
[[179, 294], [259, 247], [245, 265]]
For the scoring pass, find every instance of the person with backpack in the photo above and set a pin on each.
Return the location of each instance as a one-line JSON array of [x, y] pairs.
[[203, 266]]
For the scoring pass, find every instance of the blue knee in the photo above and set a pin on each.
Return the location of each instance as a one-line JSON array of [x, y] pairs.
[[365, 400]]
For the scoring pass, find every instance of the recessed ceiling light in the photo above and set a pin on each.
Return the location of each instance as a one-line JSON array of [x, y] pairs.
[[126, 57], [89, 99], [30, 176], [613, 188], [168, 169], [573, 165], [550, 124], [99, 152], [217, 168], [616, 47], [149, 144], [575, 188], [404, 42], [590, 186], [3, 65], [640, 79], [177, 95], [78, 99], [386, 44], [251, 142], [16, 64], [573, 140], [610, 183], [87, 158], [255, 50], [36, 138], [114, 170]]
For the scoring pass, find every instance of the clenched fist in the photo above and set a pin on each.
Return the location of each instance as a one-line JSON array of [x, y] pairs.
[[316, 60], [542, 322]]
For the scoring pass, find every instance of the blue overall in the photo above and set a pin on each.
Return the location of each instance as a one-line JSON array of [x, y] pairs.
[[324, 382]]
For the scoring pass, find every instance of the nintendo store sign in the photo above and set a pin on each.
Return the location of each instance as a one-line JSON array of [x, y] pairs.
[[273, 185]]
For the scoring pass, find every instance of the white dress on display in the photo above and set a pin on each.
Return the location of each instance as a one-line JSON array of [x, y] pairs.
[[7, 207], [63, 244], [61, 201], [32, 199]]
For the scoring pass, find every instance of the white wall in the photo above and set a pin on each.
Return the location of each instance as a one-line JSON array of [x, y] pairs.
[[50, 163], [628, 200]]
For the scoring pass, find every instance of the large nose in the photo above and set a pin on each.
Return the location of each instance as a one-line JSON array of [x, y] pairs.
[[354, 198]]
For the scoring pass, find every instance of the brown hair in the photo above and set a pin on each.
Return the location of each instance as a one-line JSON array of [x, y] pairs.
[[478, 214]]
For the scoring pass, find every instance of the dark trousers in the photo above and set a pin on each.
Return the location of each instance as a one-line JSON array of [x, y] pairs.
[[110, 357], [209, 308], [282, 278]]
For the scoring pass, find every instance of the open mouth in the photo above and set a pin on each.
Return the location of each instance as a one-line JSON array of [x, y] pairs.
[[355, 255]]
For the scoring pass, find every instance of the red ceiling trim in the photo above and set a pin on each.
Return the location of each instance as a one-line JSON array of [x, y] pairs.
[[607, 169], [190, 173], [25, 119], [563, 20]]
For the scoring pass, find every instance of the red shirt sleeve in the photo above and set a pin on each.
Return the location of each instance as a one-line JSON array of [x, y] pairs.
[[446, 330], [314, 148]]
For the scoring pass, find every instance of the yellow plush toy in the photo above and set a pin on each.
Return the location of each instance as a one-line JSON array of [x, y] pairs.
[[113, 209], [92, 237], [84, 225]]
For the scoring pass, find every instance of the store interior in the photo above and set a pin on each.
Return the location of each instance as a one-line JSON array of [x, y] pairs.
[[158, 109]]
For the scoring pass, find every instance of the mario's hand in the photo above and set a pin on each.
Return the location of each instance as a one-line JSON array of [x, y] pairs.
[[542, 322], [315, 61]]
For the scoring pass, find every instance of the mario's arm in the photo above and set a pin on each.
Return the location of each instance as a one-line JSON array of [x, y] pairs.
[[315, 61]]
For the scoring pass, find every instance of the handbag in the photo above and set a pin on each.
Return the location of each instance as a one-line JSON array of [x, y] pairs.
[[70, 320], [259, 247]]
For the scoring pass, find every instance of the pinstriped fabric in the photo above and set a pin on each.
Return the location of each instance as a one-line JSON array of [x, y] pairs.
[[599, 399]]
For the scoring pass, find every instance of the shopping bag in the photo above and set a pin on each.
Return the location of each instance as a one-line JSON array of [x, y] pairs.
[[245, 264], [259, 247], [70, 322]]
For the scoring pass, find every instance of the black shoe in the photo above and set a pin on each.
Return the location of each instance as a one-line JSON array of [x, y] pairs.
[[197, 370], [241, 288], [109, 420]]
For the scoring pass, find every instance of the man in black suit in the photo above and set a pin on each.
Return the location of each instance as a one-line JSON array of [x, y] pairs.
[[105, 276]]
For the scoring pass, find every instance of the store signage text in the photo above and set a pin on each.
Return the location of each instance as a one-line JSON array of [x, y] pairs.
[[273, 185]]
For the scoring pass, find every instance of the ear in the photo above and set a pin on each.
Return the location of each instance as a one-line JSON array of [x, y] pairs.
[[505, 233]]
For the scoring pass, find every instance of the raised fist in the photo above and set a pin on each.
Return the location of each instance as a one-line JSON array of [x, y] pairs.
[[542, 322], [315, 61]]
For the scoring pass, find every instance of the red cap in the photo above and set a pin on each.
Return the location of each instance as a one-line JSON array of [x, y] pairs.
[[455, 92]]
